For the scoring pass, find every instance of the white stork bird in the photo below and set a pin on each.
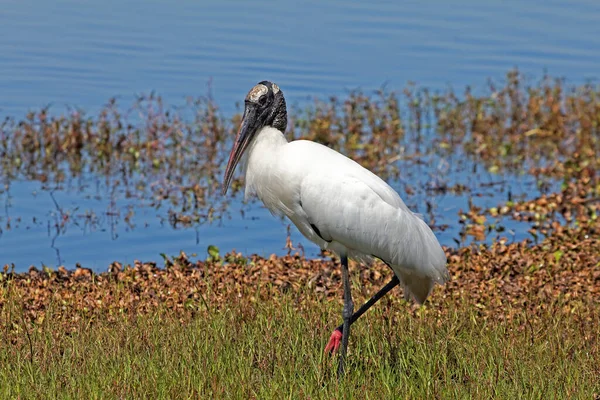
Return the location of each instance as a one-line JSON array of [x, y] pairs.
[[335, 203]]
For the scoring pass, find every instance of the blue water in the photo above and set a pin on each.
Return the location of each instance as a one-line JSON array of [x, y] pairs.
[[81, 53]]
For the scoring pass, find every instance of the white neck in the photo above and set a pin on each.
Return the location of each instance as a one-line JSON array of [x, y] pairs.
[[265, 143], [261, 155]]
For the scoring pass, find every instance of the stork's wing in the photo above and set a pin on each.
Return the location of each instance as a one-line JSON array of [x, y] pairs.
[[345, 209], [314, 157]]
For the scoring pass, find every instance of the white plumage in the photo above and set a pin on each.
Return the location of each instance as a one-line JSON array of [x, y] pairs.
[[354, 210]]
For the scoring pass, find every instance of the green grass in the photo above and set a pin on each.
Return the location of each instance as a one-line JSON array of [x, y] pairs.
[[276, 351]]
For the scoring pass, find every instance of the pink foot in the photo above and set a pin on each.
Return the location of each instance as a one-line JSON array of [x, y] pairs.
[[334, 342]]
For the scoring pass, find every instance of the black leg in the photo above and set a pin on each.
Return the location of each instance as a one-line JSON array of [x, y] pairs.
[[346, 314], [382, 292], [336, 336]]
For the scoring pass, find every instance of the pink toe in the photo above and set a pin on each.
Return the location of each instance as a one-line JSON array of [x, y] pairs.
[[334, 342]]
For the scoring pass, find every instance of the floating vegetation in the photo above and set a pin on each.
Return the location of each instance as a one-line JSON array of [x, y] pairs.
[[522, 139]]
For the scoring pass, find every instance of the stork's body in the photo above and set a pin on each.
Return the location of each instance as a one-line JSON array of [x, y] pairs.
[[341, 206], [335, 203]]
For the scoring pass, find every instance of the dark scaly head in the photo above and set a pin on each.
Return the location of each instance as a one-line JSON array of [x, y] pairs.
[[264, 106]]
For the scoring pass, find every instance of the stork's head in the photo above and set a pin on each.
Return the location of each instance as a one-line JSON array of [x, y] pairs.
[[264, 106]]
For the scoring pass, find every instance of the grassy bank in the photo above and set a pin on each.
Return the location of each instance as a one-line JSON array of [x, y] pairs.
[[270, 350], [516, 321]]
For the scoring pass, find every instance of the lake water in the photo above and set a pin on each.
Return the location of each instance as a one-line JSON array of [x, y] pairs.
[[81, 53]]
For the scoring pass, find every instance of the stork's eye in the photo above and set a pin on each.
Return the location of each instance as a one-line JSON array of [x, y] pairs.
[[262, 100]]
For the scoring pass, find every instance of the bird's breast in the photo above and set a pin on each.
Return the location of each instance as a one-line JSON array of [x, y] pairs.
[[268, 174]]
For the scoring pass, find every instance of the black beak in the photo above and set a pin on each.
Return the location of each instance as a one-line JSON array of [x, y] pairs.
[[248, 129]]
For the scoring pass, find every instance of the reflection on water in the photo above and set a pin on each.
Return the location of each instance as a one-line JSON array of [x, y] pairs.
[[75, 56]]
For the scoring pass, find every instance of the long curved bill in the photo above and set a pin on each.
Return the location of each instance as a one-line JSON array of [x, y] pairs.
[[247, 130]]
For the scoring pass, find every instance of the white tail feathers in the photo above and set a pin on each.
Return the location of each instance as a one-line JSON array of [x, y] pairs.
[[417, 287]]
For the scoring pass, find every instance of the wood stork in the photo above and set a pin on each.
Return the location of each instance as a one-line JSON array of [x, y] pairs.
[[335, 203]]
